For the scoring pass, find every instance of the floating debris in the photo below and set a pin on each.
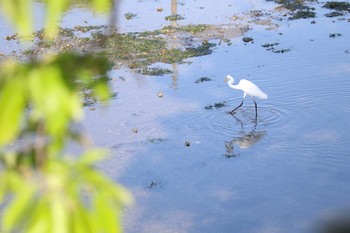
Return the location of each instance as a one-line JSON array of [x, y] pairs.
[[187, 143], [13, 37], [160, 94], [271, 47], [152, 185], [174, 17], [281, 50], [220, 104], [216, 105], [334, 14], [155, 184], [114, 95], [135, 130], [203, 79], [334, 35], [228, 156], [122, 78], [154, 71], [155, 140], [247, 39], [129, 16], [209, 107]]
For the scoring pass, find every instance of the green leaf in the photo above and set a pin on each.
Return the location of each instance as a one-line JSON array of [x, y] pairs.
[[20, 14], [53, 101], [39, 220], [81, 221], [12, 103], [59, 214], [105, 215], [101, 5], [3, 186], [19, 208], [54, 10], [121, 195], [9, 159], [91, 157], [100, 182], [102, 91]]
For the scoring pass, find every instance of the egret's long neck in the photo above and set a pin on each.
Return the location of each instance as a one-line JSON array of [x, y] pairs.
[[230, 83]]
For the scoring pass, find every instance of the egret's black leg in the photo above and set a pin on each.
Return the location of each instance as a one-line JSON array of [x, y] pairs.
[[256, 110], [237, 107]]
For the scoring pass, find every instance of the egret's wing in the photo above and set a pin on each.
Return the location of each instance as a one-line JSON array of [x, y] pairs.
[[251, 89]]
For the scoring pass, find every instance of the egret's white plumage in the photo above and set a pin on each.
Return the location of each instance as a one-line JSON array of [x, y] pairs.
[[248, 88]]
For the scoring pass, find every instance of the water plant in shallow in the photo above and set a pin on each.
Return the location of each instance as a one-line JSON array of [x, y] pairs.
[[339, 6], [135, 50], [174, 17], [298, 8]]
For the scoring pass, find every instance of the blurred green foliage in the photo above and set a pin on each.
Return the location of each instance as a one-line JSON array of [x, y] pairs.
[[48, 92], [62, 196], [41, 188]]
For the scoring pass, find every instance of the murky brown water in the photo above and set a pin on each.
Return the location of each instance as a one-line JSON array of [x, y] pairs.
[[193, 169]]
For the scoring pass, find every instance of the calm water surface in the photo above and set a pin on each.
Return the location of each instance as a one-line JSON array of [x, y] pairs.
[[282, 173]]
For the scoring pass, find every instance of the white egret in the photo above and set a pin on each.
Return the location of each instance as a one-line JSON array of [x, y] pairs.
[[248, 88]]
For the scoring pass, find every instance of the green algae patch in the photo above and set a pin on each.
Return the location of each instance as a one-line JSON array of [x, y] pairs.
[[154, 71], [334, 14], [293, 5], [338, 6], [137, 51], [134, 50], [298, 8], [192, 28], [202, 79], [216, 105], [129, 15], [174, 17], [339, 9], [167, 30], [303, 14]]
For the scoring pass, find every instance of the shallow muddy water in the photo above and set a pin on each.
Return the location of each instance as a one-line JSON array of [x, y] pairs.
[[192, 167]]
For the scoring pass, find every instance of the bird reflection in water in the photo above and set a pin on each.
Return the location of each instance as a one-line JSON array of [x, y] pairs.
[[244, 140]]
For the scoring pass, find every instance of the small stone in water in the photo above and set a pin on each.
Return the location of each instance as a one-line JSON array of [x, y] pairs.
[[188, 144], [247, 39], [160, 94]]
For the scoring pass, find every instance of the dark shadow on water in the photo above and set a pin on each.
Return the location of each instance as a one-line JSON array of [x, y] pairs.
[[338, 222]]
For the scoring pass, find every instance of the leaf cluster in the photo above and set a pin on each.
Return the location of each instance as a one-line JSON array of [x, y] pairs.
[[64, 196], [41, 99], [48, 93]]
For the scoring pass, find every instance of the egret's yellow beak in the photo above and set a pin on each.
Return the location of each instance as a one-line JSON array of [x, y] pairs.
[[226, 79]]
